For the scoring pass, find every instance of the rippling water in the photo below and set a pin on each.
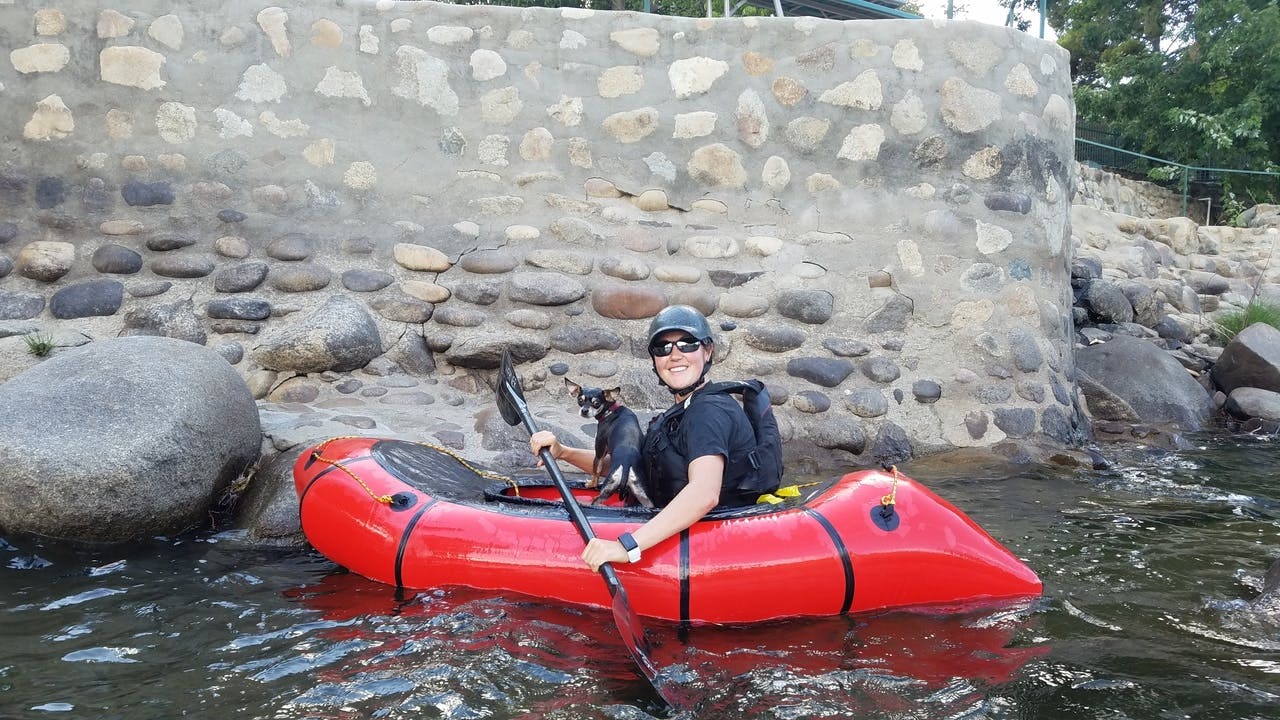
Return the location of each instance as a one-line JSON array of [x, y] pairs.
[[1149, 570]]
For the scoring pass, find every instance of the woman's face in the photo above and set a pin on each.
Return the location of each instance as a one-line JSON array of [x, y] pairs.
[[680, 369]]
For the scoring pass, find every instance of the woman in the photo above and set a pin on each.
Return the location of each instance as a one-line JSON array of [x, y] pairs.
[[697, 455]]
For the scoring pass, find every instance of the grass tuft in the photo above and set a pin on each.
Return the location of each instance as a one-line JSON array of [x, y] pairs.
[[1230, 323], [39, 344]]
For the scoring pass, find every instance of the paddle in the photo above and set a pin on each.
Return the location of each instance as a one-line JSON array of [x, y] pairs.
[[514, 411]]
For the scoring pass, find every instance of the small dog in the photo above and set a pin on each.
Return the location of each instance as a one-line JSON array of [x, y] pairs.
[[618, 439]]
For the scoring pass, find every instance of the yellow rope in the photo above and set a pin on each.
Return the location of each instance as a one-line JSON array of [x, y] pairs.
[[384, 499], [892, 497]]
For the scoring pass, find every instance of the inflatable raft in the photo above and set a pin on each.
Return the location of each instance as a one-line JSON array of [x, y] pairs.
[[415, 516]]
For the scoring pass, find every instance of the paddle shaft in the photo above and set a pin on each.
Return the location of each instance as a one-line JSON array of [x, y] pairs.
[[578, 517]]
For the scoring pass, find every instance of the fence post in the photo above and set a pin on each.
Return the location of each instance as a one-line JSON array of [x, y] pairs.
[[1184, 190]]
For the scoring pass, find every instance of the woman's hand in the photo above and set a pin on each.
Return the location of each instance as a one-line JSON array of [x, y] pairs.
[[545, 439], [599, 552]]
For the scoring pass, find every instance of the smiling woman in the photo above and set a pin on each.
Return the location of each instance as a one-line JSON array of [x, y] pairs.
[[702, 453]]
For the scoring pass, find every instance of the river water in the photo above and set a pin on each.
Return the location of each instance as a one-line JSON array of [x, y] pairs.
[[1150, 569]]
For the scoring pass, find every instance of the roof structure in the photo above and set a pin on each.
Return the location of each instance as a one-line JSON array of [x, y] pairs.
[[831, 9]]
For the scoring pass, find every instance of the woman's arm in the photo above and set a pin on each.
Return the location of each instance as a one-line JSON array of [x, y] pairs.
[[688, 507], [577, 457]]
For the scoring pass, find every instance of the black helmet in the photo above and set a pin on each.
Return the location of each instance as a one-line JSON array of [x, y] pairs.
[[680, 317]]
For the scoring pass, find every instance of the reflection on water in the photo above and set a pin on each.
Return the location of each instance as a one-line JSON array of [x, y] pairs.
[[1152, 571]]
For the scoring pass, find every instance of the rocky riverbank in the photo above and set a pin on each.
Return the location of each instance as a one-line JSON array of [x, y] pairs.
[[1147, 292]]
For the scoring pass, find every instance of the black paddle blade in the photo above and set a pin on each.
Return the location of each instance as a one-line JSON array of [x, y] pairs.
[[510, 395]]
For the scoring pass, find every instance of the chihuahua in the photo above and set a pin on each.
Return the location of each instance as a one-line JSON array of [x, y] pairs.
[[618, 441]]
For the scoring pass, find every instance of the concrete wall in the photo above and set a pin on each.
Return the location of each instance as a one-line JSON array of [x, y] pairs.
[[874, 213]]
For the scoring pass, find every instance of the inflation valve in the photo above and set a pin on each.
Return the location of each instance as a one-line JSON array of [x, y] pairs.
[[885, 515]]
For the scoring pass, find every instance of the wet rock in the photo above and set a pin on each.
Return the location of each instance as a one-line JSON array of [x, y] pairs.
[[87, 299], [8, 231], [827, 372], [6, 265], [891, 446], [116, 259], [231, 216], [161, 428], [268, 509]]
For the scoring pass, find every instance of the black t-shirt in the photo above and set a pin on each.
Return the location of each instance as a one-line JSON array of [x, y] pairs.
[[714, 424]]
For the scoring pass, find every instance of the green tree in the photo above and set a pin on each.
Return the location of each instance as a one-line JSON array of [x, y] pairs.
[[1195, 82]]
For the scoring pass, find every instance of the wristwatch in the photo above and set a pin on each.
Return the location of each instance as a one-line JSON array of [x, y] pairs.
[[631, 546]]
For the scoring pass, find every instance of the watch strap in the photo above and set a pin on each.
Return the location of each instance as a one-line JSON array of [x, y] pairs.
[[631, 546]]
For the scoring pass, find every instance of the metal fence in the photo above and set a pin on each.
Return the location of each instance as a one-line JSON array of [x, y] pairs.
[[1189, 179]]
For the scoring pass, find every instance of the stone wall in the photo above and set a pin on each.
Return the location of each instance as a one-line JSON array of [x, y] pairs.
[[1102, 190], [875, 214]]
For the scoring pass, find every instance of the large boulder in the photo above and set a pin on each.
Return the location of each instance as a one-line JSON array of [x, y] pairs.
[[122, 439], [1251, 359], [340, 335], [1149, 380]]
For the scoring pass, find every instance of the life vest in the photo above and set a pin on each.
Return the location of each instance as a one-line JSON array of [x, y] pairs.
[[746, 476]]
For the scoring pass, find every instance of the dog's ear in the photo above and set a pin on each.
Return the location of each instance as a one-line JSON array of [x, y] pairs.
[[574, 388], [613, 394]]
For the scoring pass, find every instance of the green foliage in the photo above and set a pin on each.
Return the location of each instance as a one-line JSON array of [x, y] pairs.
[[39, 344], [1195, 81], [1230, 323]]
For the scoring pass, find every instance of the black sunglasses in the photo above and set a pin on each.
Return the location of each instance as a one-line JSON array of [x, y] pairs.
[[685, 344]]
